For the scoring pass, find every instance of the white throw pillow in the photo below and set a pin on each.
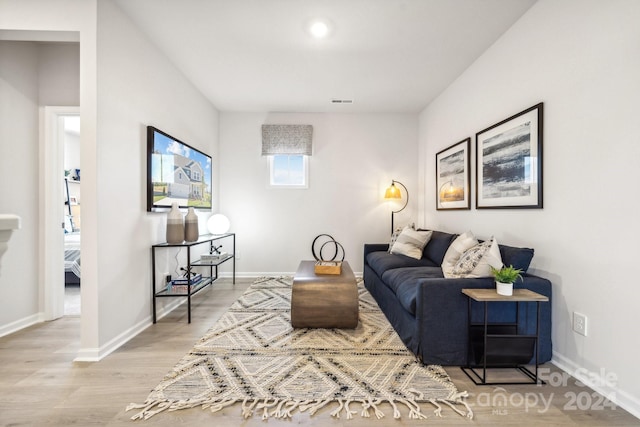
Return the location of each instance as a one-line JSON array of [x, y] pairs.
[[396, 233], [478, 260], [411, 242], [454, 252]]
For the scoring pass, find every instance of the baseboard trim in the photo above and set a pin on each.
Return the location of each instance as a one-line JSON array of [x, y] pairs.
[[19, 324], [603, 382], [256, 275], [97, 354]]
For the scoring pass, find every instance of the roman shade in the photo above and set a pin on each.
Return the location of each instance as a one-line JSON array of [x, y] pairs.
[[286, 139]]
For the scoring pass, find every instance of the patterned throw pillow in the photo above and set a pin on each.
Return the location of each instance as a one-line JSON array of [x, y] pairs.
[[411, 243], [478, 260], [471, 258]]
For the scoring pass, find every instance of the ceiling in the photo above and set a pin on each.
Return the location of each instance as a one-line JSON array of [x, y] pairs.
[[385, 55]]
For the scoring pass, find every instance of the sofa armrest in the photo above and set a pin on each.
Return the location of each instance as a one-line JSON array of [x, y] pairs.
[[441, 315], [374, 247]]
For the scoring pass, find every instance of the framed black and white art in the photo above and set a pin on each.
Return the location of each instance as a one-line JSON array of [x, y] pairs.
[[509, 162], [453, 176]]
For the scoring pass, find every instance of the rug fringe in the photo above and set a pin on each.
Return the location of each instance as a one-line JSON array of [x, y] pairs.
[[284, 408], [315, 407]]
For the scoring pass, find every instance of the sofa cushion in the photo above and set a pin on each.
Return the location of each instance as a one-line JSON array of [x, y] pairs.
[[404, 283], [383, 261], [407, 294], [519, 258], [410, 243], [437, 246]]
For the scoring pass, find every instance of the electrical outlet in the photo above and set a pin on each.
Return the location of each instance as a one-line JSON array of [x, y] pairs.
[[167, 277], [237, 254], [580, 323]]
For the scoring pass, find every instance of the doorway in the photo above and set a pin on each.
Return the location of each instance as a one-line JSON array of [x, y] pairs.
[[59, 206], [72, 213]]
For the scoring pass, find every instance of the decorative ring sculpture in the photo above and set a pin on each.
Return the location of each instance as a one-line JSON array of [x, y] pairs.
[[337, 248]]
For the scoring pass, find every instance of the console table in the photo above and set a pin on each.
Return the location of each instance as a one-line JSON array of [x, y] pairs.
[[499, 345], [192, 288]]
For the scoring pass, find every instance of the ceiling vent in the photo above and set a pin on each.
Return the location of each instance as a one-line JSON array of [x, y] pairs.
[[342, 101]]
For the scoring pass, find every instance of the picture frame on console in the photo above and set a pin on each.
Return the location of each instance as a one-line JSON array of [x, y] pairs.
[[509, 162], [453, 177]]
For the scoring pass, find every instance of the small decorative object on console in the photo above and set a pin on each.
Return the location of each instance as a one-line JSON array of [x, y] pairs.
[[218, 224], [214, 255], [184, 280], [327, 265]]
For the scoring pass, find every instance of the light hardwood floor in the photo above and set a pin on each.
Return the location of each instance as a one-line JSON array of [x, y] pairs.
[[40, 385]]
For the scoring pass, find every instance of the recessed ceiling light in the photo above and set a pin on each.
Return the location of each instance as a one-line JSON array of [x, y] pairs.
[[319, 29]]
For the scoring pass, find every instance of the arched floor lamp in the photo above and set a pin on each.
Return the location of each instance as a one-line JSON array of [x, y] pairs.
[[394, 192]]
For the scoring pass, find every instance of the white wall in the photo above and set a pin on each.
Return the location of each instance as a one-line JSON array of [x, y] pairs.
[[59, 76], [355, 157], [44, 19], [71, 151], [32, 74], [137, 86], [19, 181], [581, 59]]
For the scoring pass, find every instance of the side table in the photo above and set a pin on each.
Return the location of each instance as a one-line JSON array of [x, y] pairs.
[[499, 345]]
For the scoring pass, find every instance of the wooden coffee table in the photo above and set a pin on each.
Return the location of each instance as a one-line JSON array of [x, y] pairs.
[[324, 301]]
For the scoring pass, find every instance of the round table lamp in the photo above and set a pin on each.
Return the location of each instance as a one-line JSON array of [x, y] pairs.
[[218, 224]]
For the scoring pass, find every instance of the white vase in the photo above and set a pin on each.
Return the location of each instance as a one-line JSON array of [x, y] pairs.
[[504, 288], [191, 226], [175, 225]]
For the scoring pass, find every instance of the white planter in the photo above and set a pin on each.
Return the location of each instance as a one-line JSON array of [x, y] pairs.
[[504, 288]]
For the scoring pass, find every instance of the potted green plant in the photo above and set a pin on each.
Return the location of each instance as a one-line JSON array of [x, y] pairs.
[[505, 277]]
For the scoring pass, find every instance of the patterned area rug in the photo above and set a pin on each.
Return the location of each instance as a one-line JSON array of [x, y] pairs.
[[253, 357]]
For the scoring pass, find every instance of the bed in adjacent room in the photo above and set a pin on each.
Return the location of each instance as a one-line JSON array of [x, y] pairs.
[[72, 258]]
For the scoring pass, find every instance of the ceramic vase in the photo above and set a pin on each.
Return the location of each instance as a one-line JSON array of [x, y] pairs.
[[191, 226], [175, 225], [504, 288]]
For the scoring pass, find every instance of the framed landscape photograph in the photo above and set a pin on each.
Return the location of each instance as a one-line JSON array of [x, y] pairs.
[[509, 162], [453, 177]]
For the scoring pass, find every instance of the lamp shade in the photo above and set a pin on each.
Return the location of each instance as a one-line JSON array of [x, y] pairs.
[[393, 192], [218, 224]]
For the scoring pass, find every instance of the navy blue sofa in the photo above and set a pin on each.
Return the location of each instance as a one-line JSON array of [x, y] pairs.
[[429, 312]]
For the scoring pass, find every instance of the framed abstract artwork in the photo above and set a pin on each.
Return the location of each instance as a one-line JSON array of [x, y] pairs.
[[509, 162], [453, 177]]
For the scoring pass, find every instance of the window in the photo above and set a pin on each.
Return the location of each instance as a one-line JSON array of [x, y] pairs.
[[289, 171]]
